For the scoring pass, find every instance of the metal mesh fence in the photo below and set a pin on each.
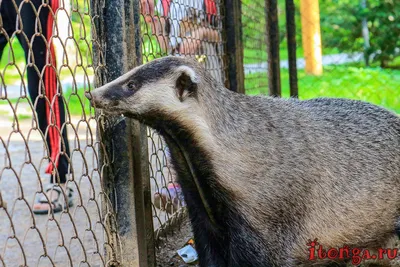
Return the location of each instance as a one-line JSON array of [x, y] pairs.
[[50, 147], [255, 47], [54, 209], [184, 28]]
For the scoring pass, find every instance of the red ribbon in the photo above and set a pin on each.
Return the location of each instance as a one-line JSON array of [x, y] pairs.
[[50, 84]]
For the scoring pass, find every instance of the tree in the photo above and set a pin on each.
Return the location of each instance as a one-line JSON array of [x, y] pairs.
[[341, 26], [384, 25]]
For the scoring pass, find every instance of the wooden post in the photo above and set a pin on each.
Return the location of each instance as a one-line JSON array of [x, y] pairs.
[[311, 35], [143, 217], [274, 76], [127, 181], [234, 46]]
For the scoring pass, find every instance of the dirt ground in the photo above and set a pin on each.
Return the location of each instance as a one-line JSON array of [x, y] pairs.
[[170, 243], [75, 236]]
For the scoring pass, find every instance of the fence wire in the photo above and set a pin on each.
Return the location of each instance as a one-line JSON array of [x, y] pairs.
[[49, 146], [254, 45], [190, 28]]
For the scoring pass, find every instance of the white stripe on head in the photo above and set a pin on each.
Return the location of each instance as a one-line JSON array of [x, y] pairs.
[[189, 72]]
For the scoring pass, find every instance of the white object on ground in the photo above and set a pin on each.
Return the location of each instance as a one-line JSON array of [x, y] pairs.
[[188, 254]]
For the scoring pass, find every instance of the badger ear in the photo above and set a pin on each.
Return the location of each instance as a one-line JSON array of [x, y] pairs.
[[186, 83]]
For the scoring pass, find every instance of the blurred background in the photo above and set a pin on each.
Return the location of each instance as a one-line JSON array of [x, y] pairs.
[[360, 48]]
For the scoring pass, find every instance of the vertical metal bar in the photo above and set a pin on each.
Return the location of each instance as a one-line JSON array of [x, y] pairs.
[[291, 43], [274, 77], [127, 180], [234, 46]]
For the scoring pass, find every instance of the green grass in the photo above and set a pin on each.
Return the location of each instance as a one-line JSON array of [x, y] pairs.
[[374, 85], [15, 55], [14, 58], [252, 56], [12, 61], [76, 101], [24, 117]]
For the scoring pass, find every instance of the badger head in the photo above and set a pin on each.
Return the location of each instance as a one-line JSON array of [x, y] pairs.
[[165, 86]]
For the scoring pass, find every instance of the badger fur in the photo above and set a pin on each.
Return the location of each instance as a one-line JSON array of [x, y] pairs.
[[263, 176]]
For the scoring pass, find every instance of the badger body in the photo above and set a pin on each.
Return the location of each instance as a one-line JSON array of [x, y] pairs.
[[263, 176]]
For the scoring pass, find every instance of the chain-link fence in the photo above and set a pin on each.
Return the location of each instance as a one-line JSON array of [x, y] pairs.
[[78, 187], [342, 69], [254, 46], [54, 209], [190, 28]]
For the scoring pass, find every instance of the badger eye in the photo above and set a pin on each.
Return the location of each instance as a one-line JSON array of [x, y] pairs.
[[131, 85]]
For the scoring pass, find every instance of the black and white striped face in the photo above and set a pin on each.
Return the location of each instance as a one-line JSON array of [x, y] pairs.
[[165, 85]]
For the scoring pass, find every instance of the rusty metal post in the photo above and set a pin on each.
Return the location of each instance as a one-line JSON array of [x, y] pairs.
[[291, 43], [274, 77], [234, 46], [128, 179]]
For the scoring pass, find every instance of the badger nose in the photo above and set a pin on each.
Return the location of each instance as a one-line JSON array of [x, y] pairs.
[[88, 95]]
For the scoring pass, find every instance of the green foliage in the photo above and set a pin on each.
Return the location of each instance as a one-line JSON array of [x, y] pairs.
[[81, 27], [254, 30], [340, 27], [384, 25], [341, 22], [254, 27]]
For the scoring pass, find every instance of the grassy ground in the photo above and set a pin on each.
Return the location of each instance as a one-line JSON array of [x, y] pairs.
[[375, 85], [255, 56]]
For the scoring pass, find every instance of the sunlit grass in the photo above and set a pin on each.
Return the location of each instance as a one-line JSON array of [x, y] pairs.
[[374, 85]]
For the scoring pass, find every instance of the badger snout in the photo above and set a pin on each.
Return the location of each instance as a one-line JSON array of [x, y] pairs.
[[98, 98], [88, 96], [93, 97], [105, 98]]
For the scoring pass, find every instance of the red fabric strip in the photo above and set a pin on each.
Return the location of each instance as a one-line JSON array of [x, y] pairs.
[[50, 83], [165, 5], [211, 8]]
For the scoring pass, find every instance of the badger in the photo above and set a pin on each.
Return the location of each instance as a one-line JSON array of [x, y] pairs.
[[262, 177]]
